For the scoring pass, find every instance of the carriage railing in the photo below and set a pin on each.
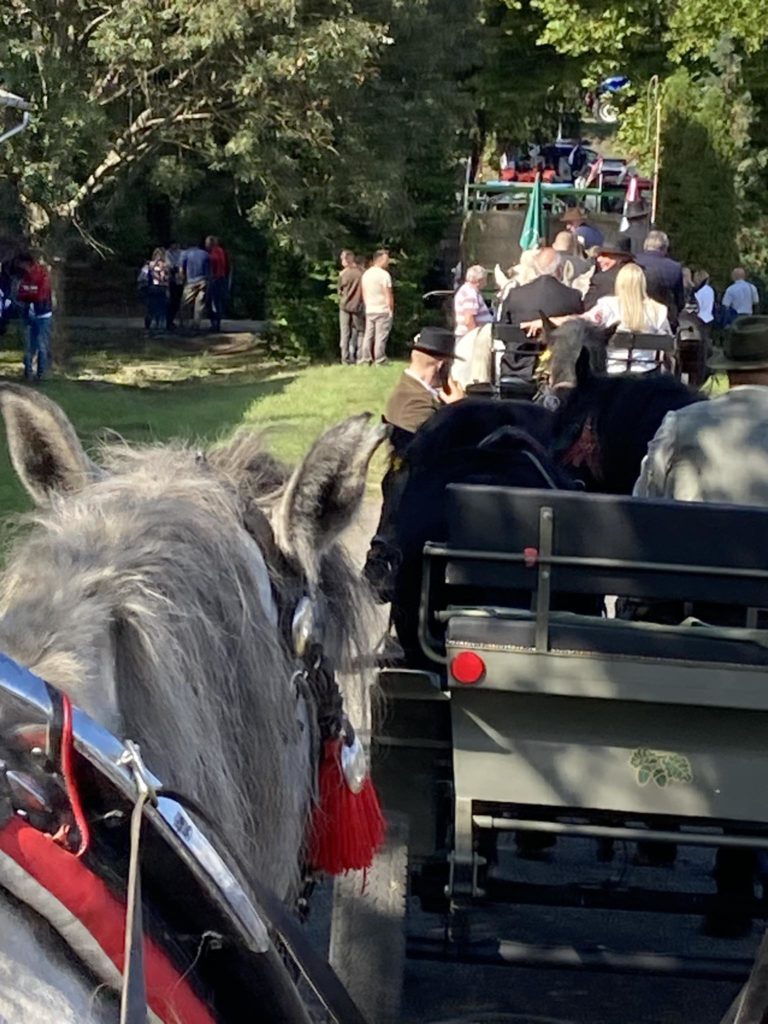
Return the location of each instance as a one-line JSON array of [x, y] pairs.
[[478, 196], [539, 570], [663, 346]]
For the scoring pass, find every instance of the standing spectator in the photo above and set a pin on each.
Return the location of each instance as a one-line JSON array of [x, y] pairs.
[[156, 292], [663, 275], [34, 297], [173, 256], [6, 301], [704, 297], [196, 266], [351, 308], [576, 222], [379, 301], [218, 280], [469, 307], [741, 297]]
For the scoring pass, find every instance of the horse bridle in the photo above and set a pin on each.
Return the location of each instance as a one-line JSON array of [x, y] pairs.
[[33, 785]]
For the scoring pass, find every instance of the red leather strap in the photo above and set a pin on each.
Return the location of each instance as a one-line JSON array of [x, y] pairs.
[[87, 897]]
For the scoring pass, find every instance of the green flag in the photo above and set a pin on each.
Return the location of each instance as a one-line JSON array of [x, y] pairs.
[[531, 233]]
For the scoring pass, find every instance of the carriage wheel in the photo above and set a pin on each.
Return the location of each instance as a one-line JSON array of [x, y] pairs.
[[367, 947]]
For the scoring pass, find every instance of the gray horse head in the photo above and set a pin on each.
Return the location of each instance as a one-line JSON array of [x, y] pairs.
[[150, 586]]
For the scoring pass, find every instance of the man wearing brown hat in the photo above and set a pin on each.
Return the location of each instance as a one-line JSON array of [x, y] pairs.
[[575, 221], [718, 450]]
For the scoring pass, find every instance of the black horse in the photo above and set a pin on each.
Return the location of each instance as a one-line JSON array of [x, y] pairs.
[[603, 424], [477, 441]]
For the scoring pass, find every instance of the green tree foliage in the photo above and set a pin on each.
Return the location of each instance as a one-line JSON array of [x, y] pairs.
[[336, 121], [714, 81], [117, 83]]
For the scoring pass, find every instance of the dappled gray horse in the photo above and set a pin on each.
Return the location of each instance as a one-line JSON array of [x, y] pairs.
[[140, 591]]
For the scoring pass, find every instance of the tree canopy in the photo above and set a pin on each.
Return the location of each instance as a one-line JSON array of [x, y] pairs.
[[338, 122]]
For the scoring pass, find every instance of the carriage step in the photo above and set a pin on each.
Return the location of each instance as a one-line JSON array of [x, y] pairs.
[[503, 953]]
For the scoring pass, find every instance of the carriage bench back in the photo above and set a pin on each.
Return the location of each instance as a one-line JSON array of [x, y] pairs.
[[601, 544], [577, 711]]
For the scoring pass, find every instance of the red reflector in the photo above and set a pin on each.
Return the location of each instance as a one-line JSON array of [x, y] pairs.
[[467, 668]]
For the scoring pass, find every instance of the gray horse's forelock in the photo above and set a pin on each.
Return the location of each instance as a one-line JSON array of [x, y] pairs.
[[153, 563]]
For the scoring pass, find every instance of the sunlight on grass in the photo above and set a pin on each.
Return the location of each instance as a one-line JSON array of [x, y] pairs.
[[317, 397], [201, 399]]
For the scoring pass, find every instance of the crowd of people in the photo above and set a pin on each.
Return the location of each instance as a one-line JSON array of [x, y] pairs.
[[645, 292], [186, 283]]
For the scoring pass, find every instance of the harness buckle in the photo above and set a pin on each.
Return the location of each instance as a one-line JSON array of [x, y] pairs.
[[131, 758]]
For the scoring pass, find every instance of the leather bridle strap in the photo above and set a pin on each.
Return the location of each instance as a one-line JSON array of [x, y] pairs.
[[133, 996]]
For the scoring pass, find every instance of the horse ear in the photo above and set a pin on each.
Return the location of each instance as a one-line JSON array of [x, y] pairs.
[[547, 327], [583, 368], [44, 448], [569, 273], [325, 491]]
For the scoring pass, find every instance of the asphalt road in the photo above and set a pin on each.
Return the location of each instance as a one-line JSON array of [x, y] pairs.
[[479, 994]]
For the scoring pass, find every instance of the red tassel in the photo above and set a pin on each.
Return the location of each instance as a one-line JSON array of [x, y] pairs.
[[347, 828]]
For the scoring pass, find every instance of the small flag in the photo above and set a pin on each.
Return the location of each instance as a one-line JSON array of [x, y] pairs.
[[531, 233], [631, 197]]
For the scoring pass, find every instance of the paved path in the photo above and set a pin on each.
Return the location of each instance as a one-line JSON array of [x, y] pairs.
[[116, 323]]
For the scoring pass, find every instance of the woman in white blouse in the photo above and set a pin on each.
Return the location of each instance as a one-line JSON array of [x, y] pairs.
[[629, 310]]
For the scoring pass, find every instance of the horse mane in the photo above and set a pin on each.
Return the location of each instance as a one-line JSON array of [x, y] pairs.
[[153, 560], [621, 413]]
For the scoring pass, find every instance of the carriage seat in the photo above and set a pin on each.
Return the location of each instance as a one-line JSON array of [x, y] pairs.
[[543, 549], [582, 635], [624, 344], [519, 358]]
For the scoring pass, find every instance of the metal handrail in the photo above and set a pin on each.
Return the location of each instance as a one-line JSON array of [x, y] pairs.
[[432, 550]]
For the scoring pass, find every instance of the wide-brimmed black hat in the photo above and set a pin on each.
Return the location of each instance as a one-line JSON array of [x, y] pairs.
[[636, 210], [436, 341], [745, 347], [617, 251]]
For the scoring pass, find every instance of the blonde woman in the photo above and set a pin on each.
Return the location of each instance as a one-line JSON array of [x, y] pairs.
[[630, 310]]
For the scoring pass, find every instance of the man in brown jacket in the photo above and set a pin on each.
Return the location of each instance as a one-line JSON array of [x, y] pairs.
[[423, 387]]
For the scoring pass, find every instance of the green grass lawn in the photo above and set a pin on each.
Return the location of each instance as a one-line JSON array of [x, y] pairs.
[[201, 398]]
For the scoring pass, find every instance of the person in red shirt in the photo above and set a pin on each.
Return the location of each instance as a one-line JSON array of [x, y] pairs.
[[218, 284], [34, 297]]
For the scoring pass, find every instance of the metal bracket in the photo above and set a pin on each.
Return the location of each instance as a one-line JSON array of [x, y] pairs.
[[544, 583]]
